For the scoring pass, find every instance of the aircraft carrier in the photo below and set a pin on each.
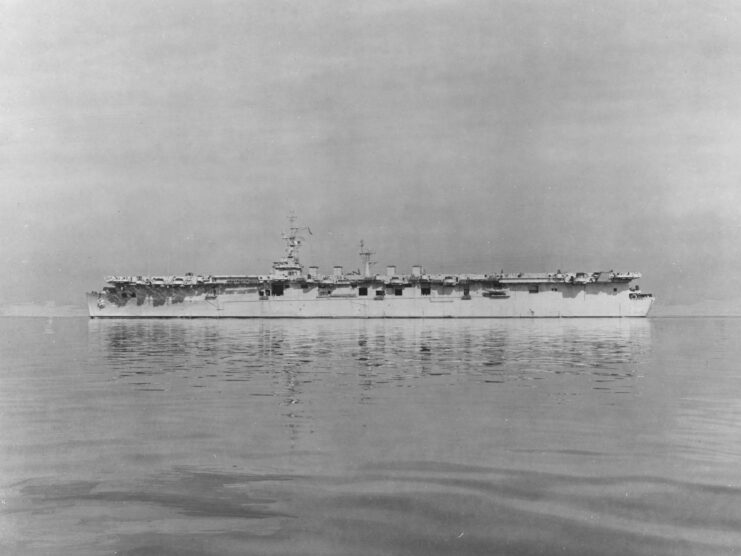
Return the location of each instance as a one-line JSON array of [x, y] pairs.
[[292, 291]]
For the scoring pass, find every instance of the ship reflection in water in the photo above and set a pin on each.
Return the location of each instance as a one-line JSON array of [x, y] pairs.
[[367, 437], [380, 350]]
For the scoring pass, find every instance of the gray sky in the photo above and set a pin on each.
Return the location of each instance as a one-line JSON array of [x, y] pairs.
[[167, 137]]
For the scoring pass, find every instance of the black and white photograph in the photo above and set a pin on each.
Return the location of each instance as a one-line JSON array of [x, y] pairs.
[[373, 278]]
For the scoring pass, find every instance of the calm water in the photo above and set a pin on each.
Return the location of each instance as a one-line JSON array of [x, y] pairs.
[[370, 437]]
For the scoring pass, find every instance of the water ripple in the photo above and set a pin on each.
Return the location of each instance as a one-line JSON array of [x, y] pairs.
[[370, 437]]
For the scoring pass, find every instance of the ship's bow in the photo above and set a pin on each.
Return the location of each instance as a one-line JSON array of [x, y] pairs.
[[92, 304]]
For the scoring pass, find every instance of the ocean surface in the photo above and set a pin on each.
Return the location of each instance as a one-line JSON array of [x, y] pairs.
[[353, 437]]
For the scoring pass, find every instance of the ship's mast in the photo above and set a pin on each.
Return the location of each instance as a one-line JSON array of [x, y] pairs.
[[365, 258], [290, 263]]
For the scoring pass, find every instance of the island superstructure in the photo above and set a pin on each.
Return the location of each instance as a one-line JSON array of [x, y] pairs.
[[293, 291]]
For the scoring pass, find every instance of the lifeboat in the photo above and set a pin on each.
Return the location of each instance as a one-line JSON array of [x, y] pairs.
[[496, 294]]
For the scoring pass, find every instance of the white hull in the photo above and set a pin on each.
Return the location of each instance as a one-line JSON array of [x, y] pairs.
[[592, 300]]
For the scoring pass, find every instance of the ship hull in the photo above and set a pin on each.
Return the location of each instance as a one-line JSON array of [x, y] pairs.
[[595, 300]]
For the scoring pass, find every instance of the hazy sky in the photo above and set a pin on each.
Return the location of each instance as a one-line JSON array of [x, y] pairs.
[[167, 137]]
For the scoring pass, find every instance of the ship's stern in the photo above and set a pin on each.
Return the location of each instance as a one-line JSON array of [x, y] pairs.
[[640, 304]]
